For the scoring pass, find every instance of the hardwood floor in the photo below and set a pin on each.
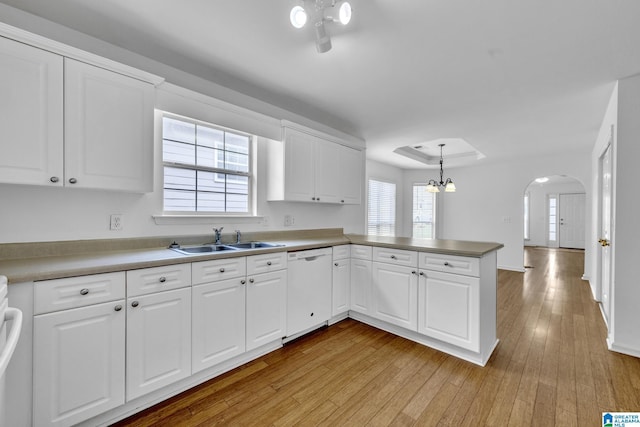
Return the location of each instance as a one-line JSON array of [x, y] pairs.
[[552, 367]]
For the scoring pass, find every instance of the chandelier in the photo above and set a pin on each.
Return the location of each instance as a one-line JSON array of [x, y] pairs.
[[339, 11], [433, 186]]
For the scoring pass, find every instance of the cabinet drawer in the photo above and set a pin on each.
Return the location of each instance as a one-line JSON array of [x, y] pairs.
[[361, 252], [450, 264], [395, 256], [341, 252], [72, 292], [218, 269], [267, 262], [156, 279]]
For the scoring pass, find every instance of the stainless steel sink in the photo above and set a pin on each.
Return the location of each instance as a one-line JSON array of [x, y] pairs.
[[203, 249], [254, 245]]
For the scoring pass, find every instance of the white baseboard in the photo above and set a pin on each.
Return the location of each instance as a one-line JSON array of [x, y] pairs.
[[509, 268], [635, 352]]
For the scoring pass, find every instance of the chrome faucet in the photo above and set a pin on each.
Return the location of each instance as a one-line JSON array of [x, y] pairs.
[[217, 233], [238, 236]]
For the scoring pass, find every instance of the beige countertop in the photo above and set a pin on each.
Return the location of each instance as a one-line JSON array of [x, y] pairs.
[[94, 261]]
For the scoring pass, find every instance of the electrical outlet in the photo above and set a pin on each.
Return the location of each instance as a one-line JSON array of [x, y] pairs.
[[289, 220], [116, 222]]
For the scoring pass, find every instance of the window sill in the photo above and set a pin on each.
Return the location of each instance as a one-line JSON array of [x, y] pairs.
[[164, 219]]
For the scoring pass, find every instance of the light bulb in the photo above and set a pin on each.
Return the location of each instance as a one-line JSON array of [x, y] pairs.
[[450, 187], [298, 16], [344, 13]]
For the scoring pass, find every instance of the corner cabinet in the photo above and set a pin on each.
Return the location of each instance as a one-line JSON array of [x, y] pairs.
[[73, 124], [307, 168]]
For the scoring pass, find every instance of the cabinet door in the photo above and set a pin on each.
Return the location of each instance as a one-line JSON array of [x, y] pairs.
[[266, 308], [108, 128], [158, 340], [327, 172], [31, 85], [395, 294], [299, 166], [360, 286], [340, 289], [78, 363], [448, 308], [218, 322], [350, 175]]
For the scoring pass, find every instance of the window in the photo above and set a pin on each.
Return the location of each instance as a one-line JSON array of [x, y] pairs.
[[424, 204], [553, 217], [381, 218], [206, 168], [527, 225]]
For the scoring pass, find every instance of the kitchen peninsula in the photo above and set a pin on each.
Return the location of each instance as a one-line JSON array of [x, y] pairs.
[[223, 309]]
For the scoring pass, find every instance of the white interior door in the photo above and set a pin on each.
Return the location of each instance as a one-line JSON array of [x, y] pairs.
[[572, 220], [605, 230]]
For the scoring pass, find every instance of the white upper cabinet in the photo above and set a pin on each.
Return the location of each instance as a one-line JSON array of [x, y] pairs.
[[69, 123], [308, 168], [30, 115], [108, 129]]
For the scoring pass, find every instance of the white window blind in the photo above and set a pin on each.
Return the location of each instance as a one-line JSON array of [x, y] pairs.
[[424, 204], [206, 169], [381, 218]]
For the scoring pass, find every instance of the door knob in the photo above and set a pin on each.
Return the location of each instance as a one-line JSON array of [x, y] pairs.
[[604, 242]]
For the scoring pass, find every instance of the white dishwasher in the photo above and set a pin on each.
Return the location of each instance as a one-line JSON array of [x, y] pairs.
[[308, 290]]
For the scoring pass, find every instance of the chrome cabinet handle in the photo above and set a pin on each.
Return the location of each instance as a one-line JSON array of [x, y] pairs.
[[313, 198], [135, 304], [251, 280], [84, 291], [222, 270], [162, 279], [117, 307], [336, 264], [268, 262], [422, 273], [72, 180], [413, 272], [447, 263], [54, 179], [393, 257], [242, 282]]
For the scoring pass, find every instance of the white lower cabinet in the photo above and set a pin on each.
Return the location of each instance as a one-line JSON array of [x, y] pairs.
[[360, 292], [266, 308], [158, 340], [218, 322], [340, 290], [449, 308], [395, 292], [78, 364]]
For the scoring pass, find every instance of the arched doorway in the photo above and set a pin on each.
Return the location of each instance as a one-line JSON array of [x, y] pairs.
[[555, 213]]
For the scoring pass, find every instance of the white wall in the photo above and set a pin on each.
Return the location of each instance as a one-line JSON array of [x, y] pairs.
[[538, 193], [382, 172], [624, 334], [487, 205]]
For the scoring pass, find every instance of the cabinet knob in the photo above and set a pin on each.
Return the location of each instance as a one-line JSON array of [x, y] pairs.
[[222, 270], [413, 272], [312, 314], [135, 304], [313, 198], [72, 180], [446, 263], [336, 264], [242, 282], [268, 262], [162, 279], [84, 291], [341, 201], [117, 307], [318, 198], [393, 257], [54, 179], [251, 280], [422, 273]]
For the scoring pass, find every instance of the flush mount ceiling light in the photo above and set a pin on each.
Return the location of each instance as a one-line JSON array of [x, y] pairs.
[[321, 11], [542, 180], [433, 186]]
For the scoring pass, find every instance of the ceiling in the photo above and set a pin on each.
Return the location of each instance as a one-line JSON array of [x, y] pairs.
[[512, 78]]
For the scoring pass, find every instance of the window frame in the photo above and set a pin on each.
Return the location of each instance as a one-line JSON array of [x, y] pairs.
[[250, 174], [433, 212], [392, 225]]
